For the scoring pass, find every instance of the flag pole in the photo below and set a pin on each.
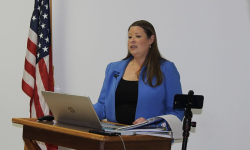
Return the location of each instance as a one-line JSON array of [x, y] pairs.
[[50, 8]]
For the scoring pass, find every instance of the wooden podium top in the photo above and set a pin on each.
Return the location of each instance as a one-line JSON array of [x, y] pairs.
[[56, 134]]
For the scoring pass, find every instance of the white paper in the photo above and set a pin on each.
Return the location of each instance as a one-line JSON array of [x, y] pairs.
[[159, 134], [175, 124]]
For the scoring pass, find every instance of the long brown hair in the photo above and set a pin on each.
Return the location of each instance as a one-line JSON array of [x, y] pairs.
[[153, 59]]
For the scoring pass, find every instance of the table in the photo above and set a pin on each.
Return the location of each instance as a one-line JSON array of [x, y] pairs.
[[80, 140]]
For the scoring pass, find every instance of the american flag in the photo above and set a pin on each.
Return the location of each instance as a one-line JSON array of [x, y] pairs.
[[38, 71]]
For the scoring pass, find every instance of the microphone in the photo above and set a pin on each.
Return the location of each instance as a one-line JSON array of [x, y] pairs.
[[116, 75]]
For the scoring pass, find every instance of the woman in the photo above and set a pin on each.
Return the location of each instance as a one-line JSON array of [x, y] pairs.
[[142, 85]]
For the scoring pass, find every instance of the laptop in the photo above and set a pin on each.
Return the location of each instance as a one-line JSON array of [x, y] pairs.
[[74, 110]]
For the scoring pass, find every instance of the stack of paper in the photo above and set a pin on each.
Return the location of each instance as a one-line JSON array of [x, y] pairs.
[[144, 128]]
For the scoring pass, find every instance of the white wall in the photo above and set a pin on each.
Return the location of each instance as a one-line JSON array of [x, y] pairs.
[[15, 17], [207, 40]]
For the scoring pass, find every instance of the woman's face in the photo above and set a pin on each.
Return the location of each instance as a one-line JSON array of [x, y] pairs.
[[138, 42]]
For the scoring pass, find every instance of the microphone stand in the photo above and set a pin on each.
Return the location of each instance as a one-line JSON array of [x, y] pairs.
[[187, 120]]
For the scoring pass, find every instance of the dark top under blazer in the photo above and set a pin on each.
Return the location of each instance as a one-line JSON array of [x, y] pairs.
[[152, 101], [126, 96]]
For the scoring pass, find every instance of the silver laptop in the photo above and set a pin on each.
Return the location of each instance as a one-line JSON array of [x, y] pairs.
[[74, 110]]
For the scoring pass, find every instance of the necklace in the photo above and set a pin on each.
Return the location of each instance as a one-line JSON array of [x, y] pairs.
[[135, 72]]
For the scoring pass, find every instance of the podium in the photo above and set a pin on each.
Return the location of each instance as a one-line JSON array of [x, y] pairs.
[[80, 140]]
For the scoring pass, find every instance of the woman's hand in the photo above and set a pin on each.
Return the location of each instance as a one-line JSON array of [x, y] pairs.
[[139, 120]]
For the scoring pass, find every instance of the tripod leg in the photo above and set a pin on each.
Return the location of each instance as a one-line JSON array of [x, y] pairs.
[[185, 139]]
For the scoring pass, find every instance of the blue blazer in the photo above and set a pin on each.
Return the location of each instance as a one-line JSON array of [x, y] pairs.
[[152, 101]]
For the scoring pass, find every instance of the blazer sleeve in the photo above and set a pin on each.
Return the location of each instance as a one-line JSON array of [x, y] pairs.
[[172, 87], [100, 105]]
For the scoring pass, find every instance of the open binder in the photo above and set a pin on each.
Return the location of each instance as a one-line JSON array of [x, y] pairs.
[[173, 122]]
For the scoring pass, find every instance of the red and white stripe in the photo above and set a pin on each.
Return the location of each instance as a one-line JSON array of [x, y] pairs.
[[37, 77]]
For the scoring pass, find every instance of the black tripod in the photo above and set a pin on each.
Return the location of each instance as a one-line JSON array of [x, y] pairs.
[[188, 101], [187, 124]]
